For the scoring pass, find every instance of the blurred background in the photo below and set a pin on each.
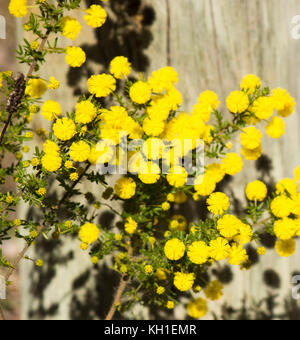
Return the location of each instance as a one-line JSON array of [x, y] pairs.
[[212, 44]]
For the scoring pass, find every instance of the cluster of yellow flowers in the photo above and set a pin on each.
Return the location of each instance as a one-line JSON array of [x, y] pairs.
[[159, 99], [173, 260], [95, 16]]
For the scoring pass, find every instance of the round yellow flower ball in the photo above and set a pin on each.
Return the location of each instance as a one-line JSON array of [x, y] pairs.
[[140, 92], [174, 249], [125, 188], [256, 191], [89, 233]]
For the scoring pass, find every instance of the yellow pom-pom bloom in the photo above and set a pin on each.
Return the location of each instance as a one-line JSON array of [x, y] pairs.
[[9, 199], [215, 171], [125, 188], [74, 176], [36, 88], [149, 173], [252, 155], [202, 111], [120, 67], [41, 192], [229, 226], [218, 203], [101, 85], [283, 102], [85, 112], [140, 92], [276, 127], [148, 269], [17, 222], [237, 255], [94, 260], [174, 98], [165, 206], [160, 290], [256, 191], [39, 263], [285, 229], [18, 8], [51, 110], [245, 234], [50, 147], [130, 225], [281, 206], [178, 223], [204, 186], [89, 233], [174, 249], [250, 83], [69, 165], [101, 153], [170, 305], [34, 45], [209, 98], [232, 164], [80, 151], [184, 282], [214, 291], [285, 248], [84, 246], [198, 252], [118, 237], [95, 16], [64, 129], [51, 162], [34, 109], [177, 176], [237, 102], [263, 107], [25, 164], [287, 185], [70, 28], [123, 269], [54, 84], [219, 249], [161, 274], [261, 251], [153, 127], [75, 56], [163, 79], [197, 309], [251, 138]]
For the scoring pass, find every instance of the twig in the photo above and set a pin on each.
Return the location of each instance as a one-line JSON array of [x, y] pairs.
[[21, 255], [119, 293], [11, 270], [261, 222], [31, 69], [73, 186]]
